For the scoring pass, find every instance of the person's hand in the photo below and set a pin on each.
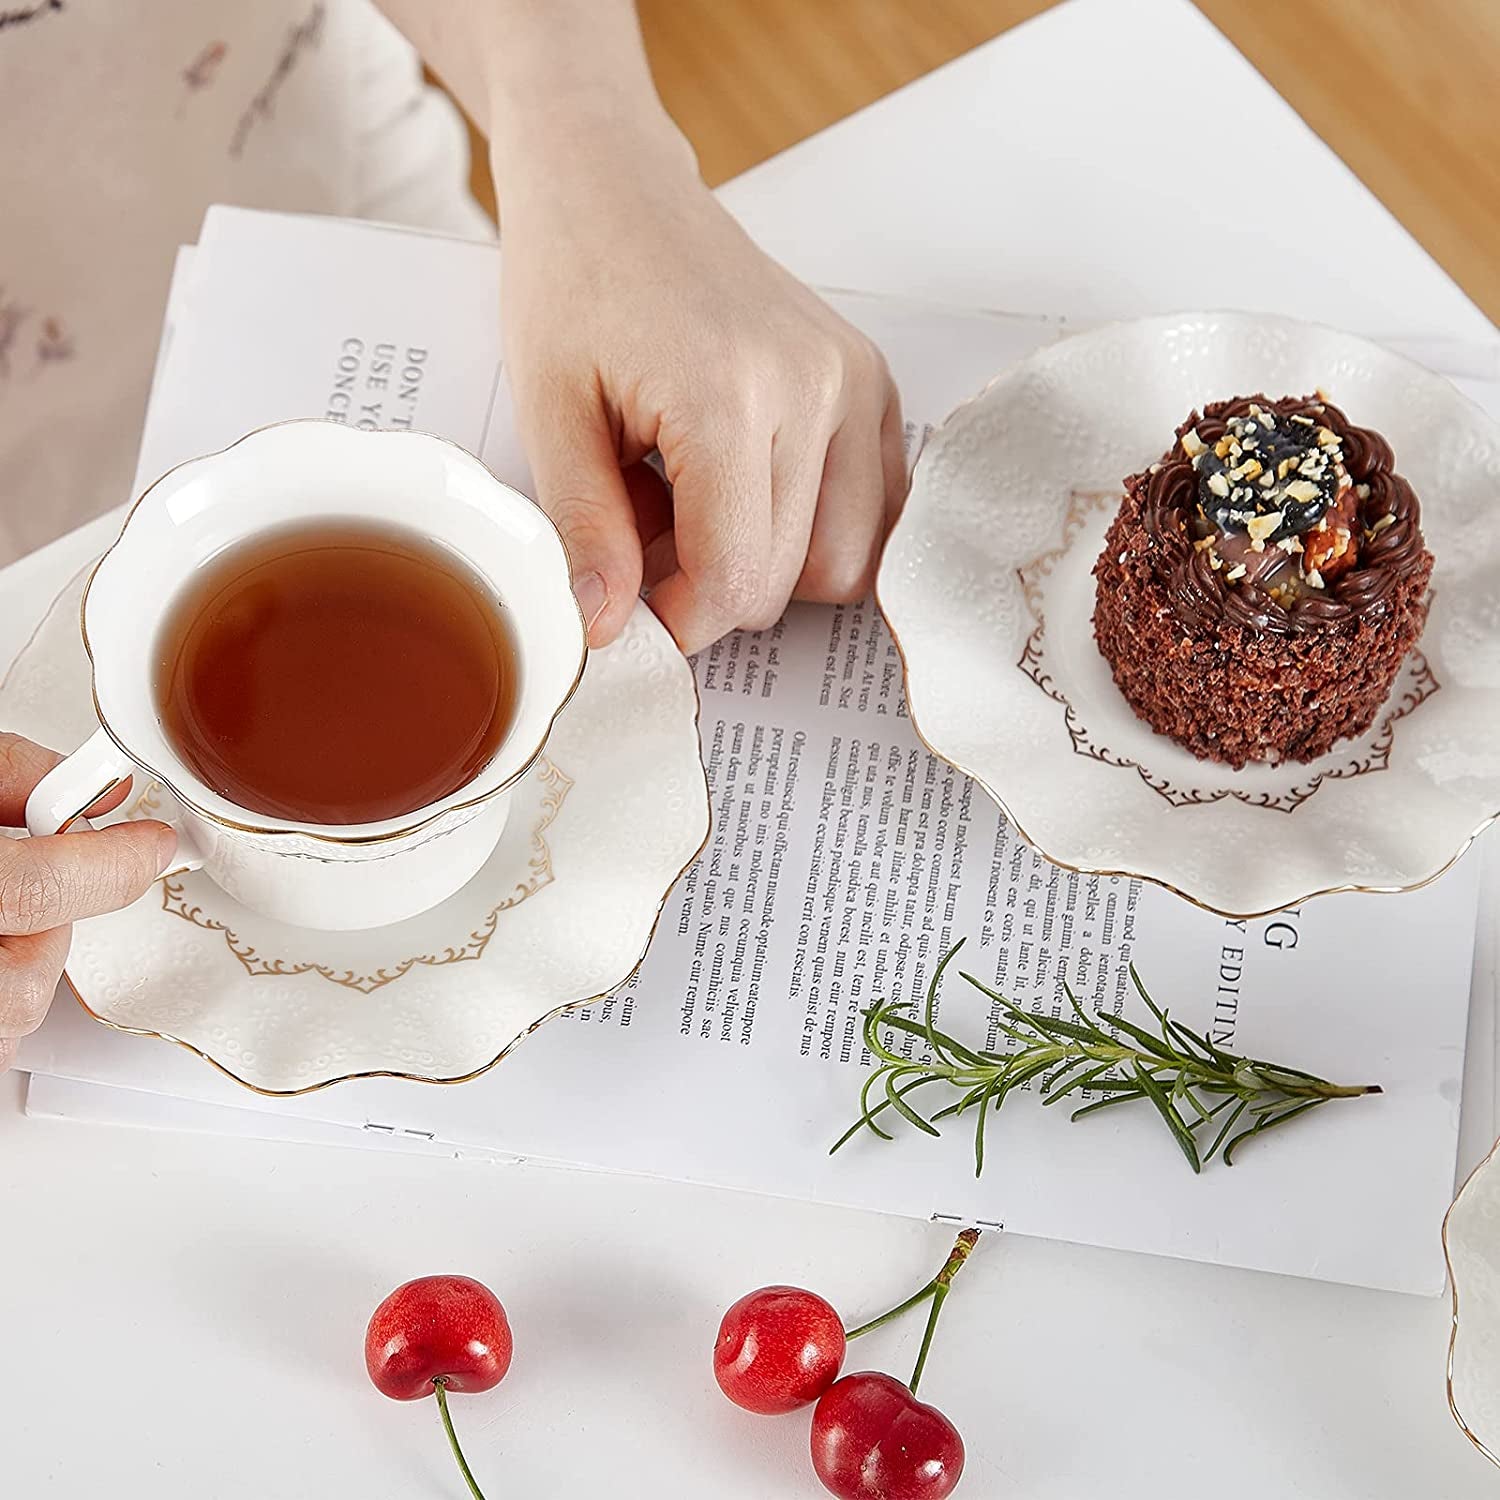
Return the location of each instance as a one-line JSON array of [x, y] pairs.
[[638, 315], [46, 884]]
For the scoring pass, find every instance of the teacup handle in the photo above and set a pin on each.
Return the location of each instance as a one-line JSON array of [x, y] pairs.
[[96, 768]]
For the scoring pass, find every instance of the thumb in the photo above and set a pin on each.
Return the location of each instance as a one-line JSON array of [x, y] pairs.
[[50, 882], [579, 484]]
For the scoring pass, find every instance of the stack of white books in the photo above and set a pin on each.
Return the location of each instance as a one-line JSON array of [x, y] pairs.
[[744, 1076]]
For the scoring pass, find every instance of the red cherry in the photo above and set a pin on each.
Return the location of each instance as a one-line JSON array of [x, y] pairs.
[[778, 1349], [447, 1328], [873, 1440]]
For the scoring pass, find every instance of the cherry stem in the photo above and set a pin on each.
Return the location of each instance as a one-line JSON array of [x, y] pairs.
[[935, 1291], [887, 1317], [941, 1283], [937, 1306], [441, 1386]]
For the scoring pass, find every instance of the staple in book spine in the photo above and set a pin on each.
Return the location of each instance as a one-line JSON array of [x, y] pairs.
[[967, 1221]]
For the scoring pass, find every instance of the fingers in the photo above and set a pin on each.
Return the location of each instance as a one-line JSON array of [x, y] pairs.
[[576, 464], [30, 968], [850, 523], [828, 513], [652, 503], [649, 500], [22, 765], [798, 461], [721, 488], [864, 485], [893, 455], [660, 561], [653, 513], [785, 464], [47, 883], [50, 882]]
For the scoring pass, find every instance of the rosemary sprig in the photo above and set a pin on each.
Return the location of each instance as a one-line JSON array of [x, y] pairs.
[[1202, 1093]]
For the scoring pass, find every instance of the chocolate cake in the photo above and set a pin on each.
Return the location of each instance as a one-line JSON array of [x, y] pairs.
[[1262, 584]]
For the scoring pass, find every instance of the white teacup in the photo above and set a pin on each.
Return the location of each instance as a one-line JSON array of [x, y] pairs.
[[316, 875]]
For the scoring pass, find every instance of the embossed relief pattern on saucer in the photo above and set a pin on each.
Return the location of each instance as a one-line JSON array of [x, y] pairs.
[[1087, 513]]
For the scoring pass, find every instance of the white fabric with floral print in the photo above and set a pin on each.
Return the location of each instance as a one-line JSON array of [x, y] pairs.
[[123, 121]]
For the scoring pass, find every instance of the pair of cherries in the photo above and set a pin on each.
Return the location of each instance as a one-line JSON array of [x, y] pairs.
[[778, 1349], [781, 1348]]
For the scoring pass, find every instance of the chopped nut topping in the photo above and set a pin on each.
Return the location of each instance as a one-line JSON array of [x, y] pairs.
[[1260, 528], [1219, 485], [1302, 489], [1290, 544], [1192, 444], [1235, 574]]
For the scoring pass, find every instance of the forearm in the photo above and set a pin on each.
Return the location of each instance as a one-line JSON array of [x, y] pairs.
[[548, 81]]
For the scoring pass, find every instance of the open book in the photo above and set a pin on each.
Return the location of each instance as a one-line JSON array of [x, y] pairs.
[[844, 859]]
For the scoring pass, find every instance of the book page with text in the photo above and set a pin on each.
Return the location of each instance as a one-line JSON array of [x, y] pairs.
[[843, 861]]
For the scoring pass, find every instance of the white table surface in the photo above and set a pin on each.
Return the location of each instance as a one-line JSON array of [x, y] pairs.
[[182, 1315]]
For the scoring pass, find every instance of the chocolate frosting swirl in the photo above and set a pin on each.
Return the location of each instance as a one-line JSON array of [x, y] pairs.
[[1199, 593]]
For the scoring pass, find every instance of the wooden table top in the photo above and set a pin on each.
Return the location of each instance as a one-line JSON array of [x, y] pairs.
[[1405, 91]]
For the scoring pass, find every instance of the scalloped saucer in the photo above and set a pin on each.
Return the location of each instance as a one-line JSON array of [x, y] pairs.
[[599, 832], [1471, 1241], [987, 586]]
